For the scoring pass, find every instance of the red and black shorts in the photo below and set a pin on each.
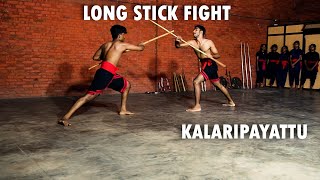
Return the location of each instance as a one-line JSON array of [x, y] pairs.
[[106, 77], [209, 70]]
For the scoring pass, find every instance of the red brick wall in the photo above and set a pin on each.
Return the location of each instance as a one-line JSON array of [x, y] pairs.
[[46, 46], [307, 10]]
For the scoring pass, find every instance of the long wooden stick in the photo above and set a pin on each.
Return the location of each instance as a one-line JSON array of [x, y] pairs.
[[175, 82], [94, 66], [250, 68], [314, 66], [182, 82], [195, 48], [246, 65], [202, 83], [158, 37], [296, 62], [242, 66], [178, 83], [144, 43]]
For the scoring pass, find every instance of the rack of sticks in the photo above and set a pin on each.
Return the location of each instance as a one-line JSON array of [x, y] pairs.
[[246, 68], [164, 85], [179, 82]]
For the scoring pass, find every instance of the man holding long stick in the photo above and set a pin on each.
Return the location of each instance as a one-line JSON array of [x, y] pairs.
[[106, 76], [209, 70]]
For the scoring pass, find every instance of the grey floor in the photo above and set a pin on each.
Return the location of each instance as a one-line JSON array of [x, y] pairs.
[[148, 145]]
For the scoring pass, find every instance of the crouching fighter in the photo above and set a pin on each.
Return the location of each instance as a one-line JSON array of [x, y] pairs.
[[209, 69], [310, 69], [106, 76]]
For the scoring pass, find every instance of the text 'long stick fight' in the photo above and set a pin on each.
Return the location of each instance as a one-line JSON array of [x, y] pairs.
[[195, 48], [144, 43]]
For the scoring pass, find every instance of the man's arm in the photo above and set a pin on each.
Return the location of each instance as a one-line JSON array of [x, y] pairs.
[[291, 61], [179, 43], [97, 55], [300, 59], [132, 47], [215, 53], [315, 65], [306, 65]]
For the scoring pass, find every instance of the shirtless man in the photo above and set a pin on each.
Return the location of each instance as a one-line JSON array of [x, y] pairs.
[[209, 70], [106, 76]]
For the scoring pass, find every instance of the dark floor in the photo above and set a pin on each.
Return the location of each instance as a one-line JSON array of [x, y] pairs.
[[148, 145]]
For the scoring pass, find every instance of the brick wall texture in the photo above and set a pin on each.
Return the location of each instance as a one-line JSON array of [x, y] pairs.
[[47, 47]]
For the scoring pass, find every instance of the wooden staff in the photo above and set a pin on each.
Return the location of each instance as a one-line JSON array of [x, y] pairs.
[[242, 66], [202, 83], [182, 82], [296, 62], [176, 82], [314, 66], [250, 69], [246, 65], [94, 66], [195, 48], [158, 37], [144, 43], [183, 78]]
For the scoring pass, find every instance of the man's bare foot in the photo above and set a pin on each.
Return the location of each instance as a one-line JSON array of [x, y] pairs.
[[64, 122], [230, 104], [125, 113], [196, 108]]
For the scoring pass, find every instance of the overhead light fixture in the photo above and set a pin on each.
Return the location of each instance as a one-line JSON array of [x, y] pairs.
[[275, 22]]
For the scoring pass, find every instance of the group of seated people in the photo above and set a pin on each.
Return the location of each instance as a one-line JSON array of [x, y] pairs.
[[275, 66]]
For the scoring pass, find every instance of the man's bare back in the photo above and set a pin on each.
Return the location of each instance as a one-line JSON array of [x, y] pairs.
[[112, 51]]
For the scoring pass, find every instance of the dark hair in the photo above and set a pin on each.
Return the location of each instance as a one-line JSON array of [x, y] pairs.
[[116, 30], [262, 46], [274, 46], [298, 42], [314, 45], [284, 47], [201, 28]]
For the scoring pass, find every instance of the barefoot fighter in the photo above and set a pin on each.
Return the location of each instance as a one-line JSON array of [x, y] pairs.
[[106, 76], [209, 70], [204, 48]]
